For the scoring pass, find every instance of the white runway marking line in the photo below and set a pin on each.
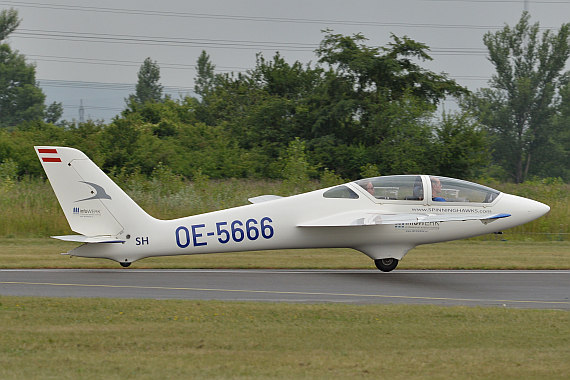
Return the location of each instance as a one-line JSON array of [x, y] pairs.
[[284, 293]]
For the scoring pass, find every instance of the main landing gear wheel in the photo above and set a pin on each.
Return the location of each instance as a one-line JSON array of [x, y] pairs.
[[386, 265], [125, 264]]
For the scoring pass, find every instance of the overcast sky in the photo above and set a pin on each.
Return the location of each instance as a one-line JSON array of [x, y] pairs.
[[73, 42]]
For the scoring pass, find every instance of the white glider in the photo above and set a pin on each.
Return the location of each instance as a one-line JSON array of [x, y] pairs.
[[383, 217]]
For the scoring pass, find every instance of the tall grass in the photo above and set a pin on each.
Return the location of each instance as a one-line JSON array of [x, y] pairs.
[[553, 192], [29, 207]]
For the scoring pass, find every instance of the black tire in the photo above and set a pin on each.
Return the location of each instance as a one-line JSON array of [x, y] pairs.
[[125, 264], [386, 265]]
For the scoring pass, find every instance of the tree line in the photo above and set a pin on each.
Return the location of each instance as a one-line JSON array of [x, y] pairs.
[[358, 111]]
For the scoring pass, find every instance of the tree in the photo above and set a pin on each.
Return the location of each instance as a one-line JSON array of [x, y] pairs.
[[20, 97], [356, 100], [389, 72], [53, 112], [519, 107], [9, 22], [366, 81], [204, 75], [295, 167], [148, 88], [556, 148], [377, 99], [461, 147]]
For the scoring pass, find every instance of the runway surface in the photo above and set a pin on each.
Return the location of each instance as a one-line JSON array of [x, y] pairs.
[[520, 289]]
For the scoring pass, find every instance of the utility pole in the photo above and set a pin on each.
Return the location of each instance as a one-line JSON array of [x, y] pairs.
[[81, 112]]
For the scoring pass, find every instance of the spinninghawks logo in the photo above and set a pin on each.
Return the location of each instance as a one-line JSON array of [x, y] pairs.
[[99, 193]]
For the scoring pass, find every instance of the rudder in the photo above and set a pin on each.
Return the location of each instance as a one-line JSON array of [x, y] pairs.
[[92, 203]]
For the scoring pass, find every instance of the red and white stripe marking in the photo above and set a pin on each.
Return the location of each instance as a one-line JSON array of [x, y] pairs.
[[49, 158]]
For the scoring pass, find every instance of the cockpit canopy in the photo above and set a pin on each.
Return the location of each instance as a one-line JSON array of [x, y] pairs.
[[397, 187], [414, 188]]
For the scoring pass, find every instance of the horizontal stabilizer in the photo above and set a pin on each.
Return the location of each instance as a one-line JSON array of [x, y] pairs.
[[264, 198], [88, 239], [370, 218]]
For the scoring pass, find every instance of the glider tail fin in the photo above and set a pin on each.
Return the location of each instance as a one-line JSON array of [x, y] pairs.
[[92, 203]]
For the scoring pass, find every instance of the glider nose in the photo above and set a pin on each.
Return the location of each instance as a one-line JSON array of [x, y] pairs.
[[540, 209], [534, 209], [524, 210]]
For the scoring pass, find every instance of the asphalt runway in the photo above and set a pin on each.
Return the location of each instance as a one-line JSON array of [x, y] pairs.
[[538, 289]]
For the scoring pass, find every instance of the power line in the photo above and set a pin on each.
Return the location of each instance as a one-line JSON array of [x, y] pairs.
[[104, 85], [116, 62], [230, 17], [98, 108], [170, 41], [63, 33], [174, 41], [176, 66], [506, 1]]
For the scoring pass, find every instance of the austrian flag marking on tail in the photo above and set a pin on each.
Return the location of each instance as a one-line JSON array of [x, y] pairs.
[[49, 151]]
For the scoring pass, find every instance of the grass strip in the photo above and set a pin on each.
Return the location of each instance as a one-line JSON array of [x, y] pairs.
[[144, 339], [465, 254]]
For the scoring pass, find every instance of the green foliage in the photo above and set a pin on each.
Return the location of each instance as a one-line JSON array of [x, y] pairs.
[[369, 108], [148, 88], [552, 191], [8, 170], [53, 113], [166, 133], [330, 178], [388, 72], [461, 148], [404, 142], [18, 145], [519, 109], [8, 174], [30, 208], [296, 168], [369, 171], [9, 22], [21, 100], [119, 142], [204, 75], [554, 150]]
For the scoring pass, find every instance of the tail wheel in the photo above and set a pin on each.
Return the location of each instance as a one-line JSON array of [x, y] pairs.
[[386, 265]]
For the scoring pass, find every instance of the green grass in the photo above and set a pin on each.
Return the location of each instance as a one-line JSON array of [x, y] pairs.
[[553, 226], [467, 254], [149, 339]]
